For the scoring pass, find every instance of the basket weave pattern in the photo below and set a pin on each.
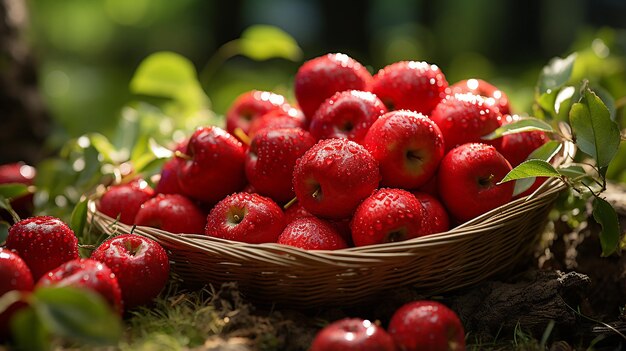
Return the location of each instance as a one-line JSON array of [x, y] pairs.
[[434, 264]]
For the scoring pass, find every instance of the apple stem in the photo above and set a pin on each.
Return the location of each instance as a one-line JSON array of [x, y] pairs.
[[316, 193], [290, 203], [237, 218], [239, 133], [182, 155]]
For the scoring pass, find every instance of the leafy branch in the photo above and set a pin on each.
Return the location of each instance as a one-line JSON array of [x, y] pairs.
[[594, 132]]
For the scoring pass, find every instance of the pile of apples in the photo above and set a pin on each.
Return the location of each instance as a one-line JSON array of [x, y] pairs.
[[360, 160]]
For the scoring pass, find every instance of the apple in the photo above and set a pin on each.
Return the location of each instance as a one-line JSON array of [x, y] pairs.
[[168, 178], [173, 213], [140, 265], [124, 200], [277, 119], [245, 217], [311, 233], [89, 274], [43, 242], [493, 96], [388, 215], [271, 158], [436, 218], [212, 165], [468, 180], [428, 326], [20, 173], [410, 85], [251, 105], [321, 77], [408, 147], [352, 334], [347, 114], [333, 177], [466, 118], [14, 275]]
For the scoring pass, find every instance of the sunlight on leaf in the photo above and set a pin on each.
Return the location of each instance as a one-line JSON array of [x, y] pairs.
[[556, 73], [596, 134], [526, 124], [263, 42], [531, 168]]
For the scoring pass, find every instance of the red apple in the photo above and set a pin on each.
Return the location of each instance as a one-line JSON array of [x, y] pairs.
[[173, 213], [213, 165], [277, 119], [347, 114], [19, 173], [124, 200], [311, 233], [333, 177], [436, 219], [89, 274], [427, 326], [408, 147], [410, 85], [43, 242], [140, 265], [493, 96], [14, 275], [352, 334], [251, 105], [468, 178], [168, 178], [388, 215], [271, 158], [466, 118], [320, 78], [245, 217]]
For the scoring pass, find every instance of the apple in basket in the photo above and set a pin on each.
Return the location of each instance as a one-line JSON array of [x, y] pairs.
[[352, 334], [468, 180]]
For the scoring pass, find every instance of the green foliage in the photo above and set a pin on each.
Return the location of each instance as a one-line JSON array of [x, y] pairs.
[[263, 42], [79, 217], [605, 215], [594, 131], [71, 314], [526, 124]]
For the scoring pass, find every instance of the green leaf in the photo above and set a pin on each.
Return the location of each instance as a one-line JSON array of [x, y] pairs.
[[78, 314], [28, 331], [608, 101], [13, 190], [546, 151], [531, 168], [563, 102], [606, 216], [104, 147], [526, 124], [4, 231], [573, 171], [79, 217], [164, 74], [263, 42], [556, 73], [596, 134]]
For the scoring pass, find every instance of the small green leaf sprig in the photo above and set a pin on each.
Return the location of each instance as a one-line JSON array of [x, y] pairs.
[[592, 128]]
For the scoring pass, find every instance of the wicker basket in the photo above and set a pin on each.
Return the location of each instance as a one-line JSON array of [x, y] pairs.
[[435, 264]]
